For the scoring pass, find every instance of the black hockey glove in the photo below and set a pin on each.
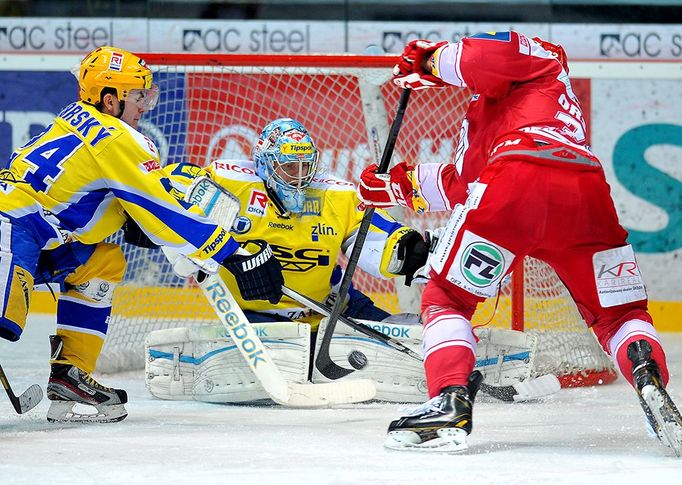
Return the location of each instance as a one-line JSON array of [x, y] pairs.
[[259, 275], [413, 252], [133, 234]]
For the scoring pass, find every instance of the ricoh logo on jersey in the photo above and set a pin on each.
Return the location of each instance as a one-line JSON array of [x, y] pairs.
[[321, 229], [258, 203], [300, 260]]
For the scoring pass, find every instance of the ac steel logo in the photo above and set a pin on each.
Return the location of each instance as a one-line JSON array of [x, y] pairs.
[[258, 203], [482, 264], [300, 260], [621, 274], [261, 39], [241, 225], [635, 44]]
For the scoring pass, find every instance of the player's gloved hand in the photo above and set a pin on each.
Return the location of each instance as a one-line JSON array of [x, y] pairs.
[[409, 256], [412, 72], [385, 189], [133, 234], [258, 275], [556, 50]]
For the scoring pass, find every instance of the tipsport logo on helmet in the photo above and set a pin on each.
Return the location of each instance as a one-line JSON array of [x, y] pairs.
[[297, 149]]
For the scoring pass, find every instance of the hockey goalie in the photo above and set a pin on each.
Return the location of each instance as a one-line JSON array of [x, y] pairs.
[[307, 217]]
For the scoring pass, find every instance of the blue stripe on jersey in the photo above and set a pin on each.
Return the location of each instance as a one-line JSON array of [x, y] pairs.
[[80, 213], [499, 36], [81, 315], [189, 226], [226, 250], [389, 226]]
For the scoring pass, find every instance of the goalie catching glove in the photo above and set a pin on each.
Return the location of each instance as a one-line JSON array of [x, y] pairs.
[[258, 275], [409, 256]]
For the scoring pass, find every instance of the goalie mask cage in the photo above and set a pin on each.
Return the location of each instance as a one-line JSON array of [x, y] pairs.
[[213, 107]]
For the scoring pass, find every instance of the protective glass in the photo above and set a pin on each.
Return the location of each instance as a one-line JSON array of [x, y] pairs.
[[144, 99]]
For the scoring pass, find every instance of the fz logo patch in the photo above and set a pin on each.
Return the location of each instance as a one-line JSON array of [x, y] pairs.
[[482, 263], [479, 265]]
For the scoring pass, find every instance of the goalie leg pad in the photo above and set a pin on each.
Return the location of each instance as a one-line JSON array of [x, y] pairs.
[[504, 357], [204, 364], [398, 377]]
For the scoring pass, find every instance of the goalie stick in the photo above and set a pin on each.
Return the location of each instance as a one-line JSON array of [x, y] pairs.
[[220, 204], [323, 361], [27, 400], [531, 389]]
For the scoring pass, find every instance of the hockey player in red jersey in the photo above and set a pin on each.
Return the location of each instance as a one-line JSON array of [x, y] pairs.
[[524, 182]]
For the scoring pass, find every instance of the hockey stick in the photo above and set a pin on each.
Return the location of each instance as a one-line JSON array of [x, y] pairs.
[[259, 360], [223, 207], [523, 391], [323, 309], [26, 400], [323, 361]]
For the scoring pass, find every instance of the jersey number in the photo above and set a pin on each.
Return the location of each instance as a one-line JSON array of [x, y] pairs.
[[47, 160]]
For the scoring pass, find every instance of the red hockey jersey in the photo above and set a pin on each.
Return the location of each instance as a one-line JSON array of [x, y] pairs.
[[520, 87]]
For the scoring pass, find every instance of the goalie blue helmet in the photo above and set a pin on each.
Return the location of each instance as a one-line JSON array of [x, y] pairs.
[[286, 160]]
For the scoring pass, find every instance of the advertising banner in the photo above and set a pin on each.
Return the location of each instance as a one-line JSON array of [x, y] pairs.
[[74, 35]]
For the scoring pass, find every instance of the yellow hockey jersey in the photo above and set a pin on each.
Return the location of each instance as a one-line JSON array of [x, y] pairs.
[[77, 180], [308, 244]]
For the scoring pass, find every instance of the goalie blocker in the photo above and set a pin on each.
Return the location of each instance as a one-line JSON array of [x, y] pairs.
[[203, 363]]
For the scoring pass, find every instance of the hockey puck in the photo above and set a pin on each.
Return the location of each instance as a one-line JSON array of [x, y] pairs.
[[357, 359]]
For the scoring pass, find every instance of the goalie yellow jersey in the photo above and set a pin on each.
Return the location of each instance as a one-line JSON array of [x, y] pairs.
[[77, 180], [308, 244]]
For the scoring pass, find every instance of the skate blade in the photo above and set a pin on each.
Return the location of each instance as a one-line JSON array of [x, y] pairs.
[[63, 412], [667, 417], [449, 440]]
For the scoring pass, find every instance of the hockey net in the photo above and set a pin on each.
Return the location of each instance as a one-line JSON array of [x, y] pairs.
[[213, 107]]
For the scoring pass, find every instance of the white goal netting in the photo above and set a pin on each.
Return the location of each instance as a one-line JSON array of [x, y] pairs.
[[214, 107]]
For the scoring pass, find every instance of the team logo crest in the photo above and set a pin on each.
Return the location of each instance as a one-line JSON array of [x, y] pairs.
[[241, 225]]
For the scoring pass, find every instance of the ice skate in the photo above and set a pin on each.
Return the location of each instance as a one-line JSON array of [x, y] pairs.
[[439, 425], [660, 410], [69, 386]]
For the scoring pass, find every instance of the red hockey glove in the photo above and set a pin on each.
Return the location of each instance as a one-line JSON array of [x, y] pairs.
[[411, 72], [385, 189], [556, 50]]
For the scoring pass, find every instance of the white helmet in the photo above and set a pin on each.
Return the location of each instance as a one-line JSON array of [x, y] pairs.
[[286, 160]]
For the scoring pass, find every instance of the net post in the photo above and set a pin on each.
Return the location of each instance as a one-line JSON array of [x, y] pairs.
[[517, 296]]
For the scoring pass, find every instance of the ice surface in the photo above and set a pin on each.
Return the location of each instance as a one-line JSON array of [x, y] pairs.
[[585, 436]]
